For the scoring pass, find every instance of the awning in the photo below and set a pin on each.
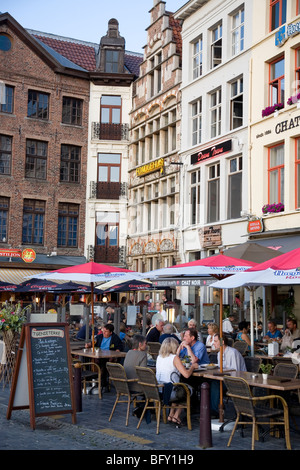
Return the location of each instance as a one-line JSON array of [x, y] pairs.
[[17, 276], [283, 244]]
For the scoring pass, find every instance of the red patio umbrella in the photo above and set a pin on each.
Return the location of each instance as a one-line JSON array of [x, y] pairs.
[[92, 273]]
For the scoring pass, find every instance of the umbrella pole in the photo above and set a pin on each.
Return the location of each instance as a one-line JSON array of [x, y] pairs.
[[92, 303], [221, 405], [251, 322]]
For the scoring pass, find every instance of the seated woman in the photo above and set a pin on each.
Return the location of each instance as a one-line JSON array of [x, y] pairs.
[[168, 366], [243, 333], [212, 330]]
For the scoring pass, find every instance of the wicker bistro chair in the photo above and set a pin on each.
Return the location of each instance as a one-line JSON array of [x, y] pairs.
[[118, 377], [241, 346], [154, 349], [250, 408], [90, 374], [151, 388], [252, 363], [286, 370]]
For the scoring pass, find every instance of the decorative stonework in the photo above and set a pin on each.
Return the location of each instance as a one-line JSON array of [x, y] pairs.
[[137, 249], [151, 247], [166, 245]]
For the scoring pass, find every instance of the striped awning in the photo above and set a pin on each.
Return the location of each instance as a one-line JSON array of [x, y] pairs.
[[17, 276]]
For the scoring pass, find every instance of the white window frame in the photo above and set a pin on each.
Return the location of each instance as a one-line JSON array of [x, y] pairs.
[[196, 109], [238, 31], [215, 112], [216, 45], [236, 101], [197, 58]]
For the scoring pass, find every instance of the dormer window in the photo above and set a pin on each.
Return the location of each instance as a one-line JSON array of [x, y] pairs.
[[111, 61]]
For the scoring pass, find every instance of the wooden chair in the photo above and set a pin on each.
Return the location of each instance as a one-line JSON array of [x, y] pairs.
[[118, 377], [154, 349], [151, 389], [250, 408], [252, 363], [241, 346]]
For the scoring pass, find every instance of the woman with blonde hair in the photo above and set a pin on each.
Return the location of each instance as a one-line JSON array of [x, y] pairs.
[[168, 364], [212, 330]]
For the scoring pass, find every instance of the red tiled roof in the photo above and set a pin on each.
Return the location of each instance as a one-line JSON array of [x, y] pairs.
[[80, 54], [176, 27], [84, 55]]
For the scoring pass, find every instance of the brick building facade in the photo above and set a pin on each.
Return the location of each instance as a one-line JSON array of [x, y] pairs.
[[44, 132]]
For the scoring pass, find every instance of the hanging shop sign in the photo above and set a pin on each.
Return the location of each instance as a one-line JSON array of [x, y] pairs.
[[210, 236], [285, 32], [255, 226], [156, 165], [216, 150]]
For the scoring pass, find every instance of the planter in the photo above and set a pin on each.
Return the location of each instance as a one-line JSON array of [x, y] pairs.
[[265, 377]]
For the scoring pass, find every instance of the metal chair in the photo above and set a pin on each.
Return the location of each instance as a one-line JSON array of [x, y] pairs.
[[154, 400], [241, 346], [118, 377], [153, 349], [252, 363], [250, 408]]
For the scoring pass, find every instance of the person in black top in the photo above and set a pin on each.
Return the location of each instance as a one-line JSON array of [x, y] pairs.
[[154, 333]]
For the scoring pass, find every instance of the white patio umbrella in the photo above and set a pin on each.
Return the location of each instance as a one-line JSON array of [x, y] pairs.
[[218, 266]]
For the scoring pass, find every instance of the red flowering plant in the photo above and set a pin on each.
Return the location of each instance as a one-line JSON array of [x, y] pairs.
[[293, 99], [273, 208], [271, 109]]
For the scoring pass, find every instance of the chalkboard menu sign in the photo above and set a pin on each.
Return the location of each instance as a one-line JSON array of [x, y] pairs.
[[44, 358]]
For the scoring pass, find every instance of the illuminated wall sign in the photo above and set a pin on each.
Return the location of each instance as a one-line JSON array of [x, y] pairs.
[[211, 152], [285, 32], [157, 165]]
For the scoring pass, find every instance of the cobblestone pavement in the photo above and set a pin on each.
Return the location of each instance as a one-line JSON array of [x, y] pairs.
[[93, 431]]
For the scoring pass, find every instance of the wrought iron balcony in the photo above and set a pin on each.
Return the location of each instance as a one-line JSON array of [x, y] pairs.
[[110, 131], [110, 254], [108, 190]]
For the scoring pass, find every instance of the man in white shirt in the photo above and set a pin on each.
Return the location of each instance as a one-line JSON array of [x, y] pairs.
[[227, 325], [232, 359]]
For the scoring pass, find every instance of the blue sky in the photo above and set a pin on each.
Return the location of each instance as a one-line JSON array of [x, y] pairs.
[[68, 17]]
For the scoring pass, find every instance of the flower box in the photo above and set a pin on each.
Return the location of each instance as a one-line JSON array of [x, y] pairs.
[[273, 208], [293, 99], [271, 109]]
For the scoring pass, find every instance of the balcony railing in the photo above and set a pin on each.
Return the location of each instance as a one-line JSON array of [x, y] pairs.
[[108, 190], [111, 254], [110, 131]]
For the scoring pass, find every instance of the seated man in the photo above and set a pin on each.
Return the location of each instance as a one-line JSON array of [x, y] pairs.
[[107, 340], [168, 331], [273, 333], [137, 356], [190, 346], [232, 359], [82, 332], [153, 334]]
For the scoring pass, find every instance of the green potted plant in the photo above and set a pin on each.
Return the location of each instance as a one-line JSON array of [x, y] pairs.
[[266, 369]]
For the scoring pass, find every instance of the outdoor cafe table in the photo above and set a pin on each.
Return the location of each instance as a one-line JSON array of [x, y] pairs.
[[100, 354], [254, 380]]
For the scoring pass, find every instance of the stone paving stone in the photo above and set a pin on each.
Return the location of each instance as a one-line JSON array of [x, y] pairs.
[[93, 431]]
